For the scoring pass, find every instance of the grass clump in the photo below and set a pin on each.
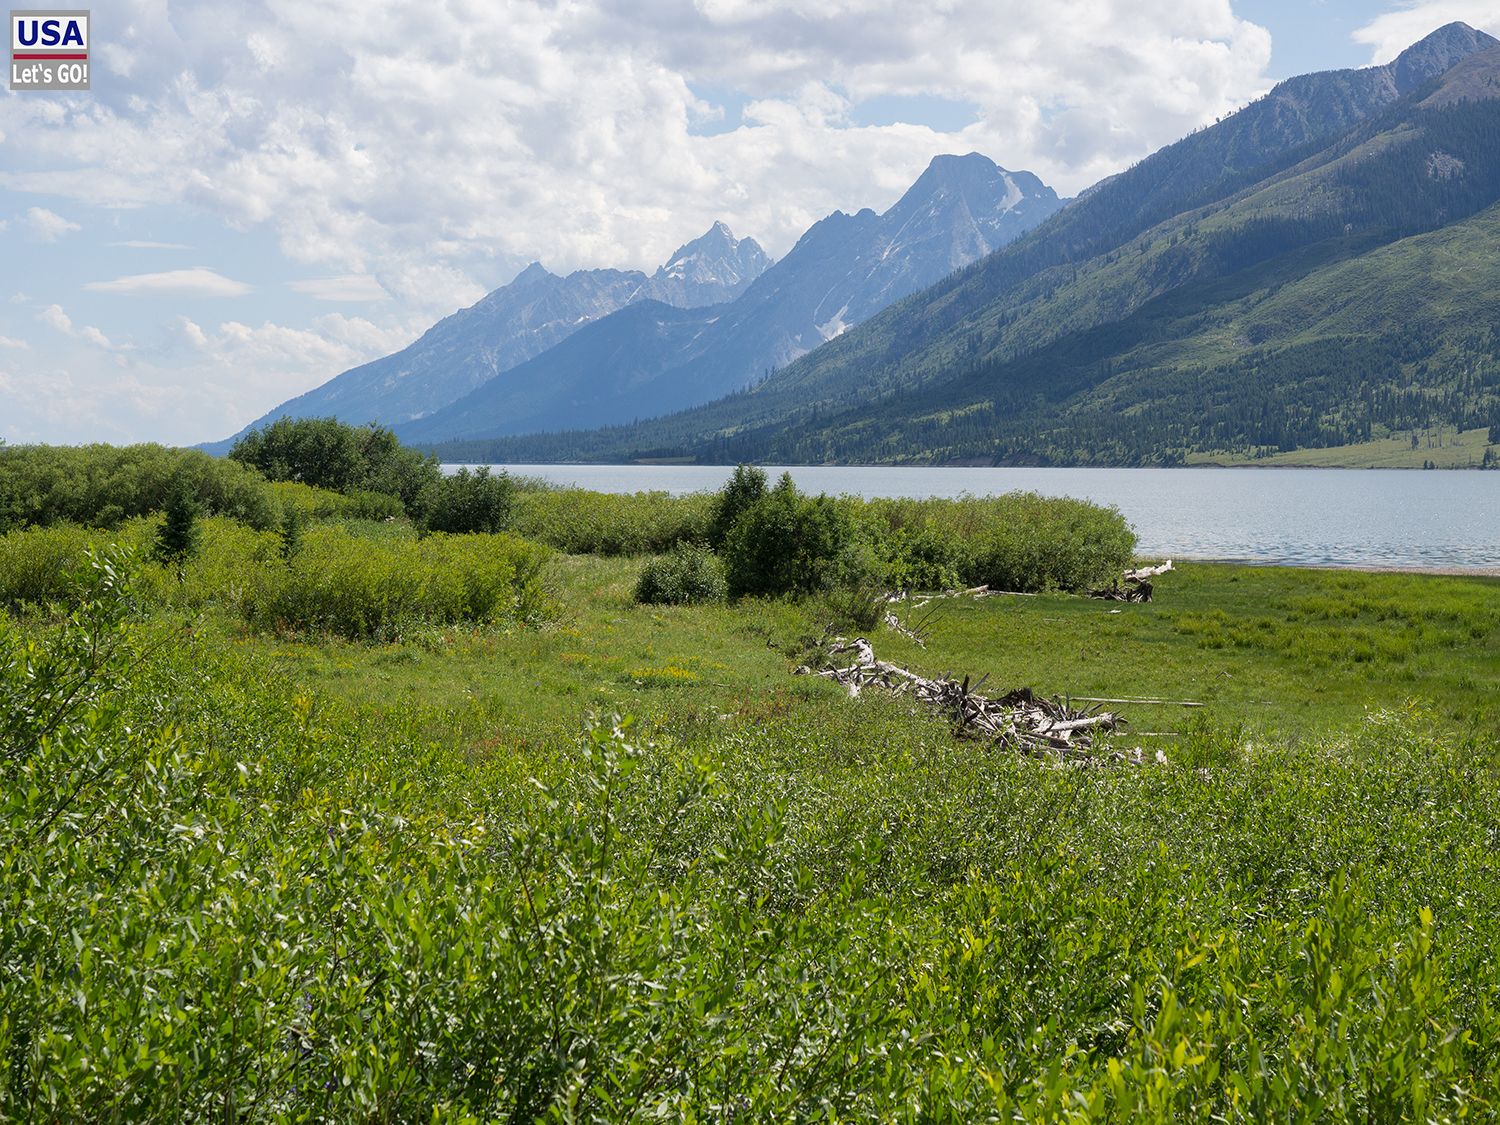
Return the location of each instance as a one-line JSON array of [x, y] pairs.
[[689, 575]]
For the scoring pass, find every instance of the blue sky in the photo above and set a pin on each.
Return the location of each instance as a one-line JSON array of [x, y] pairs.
[[257, 195]]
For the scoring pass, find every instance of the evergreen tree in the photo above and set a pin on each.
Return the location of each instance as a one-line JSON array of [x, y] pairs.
[[177, 541], [290, 532]]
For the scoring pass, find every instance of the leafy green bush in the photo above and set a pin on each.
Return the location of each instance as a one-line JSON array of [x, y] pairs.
[[324, 503], [40, 564], [579, 522], [690, 574], [745, 488], [354, 587], [922, 559], [327, 453], [334, 582], [468, 502], [103, 485], [1047, 543], [787, 543], [1019, 541]]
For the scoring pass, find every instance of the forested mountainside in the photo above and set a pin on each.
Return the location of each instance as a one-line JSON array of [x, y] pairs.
[[1340, 288]]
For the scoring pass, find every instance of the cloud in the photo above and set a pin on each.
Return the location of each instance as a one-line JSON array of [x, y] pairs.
[[48, 226], [470, 139], [142, 244], [55, 317], [8, 342], [193, 381], [1391, 33], [199, 281], [350, 287]]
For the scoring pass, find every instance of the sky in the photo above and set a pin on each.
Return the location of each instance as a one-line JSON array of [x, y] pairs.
[[256, 195]]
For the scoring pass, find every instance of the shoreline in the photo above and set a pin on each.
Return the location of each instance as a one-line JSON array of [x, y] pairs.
[[1447, 571]]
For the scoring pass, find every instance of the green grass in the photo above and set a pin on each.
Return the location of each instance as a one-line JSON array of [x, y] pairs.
[[1280, 650], [1445, 446]]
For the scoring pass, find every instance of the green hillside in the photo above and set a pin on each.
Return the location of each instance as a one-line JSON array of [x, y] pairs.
[[1344, 295]]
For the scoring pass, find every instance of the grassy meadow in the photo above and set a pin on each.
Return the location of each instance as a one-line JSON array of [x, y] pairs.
[[1443, 447], [357, 823]]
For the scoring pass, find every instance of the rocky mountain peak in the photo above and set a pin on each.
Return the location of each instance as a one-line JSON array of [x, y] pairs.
[[532, 274], [1437, 53], [972, 181], [716, 257]]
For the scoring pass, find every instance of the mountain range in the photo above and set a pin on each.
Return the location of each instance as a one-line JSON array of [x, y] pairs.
[[601, 345], [1315, 270], [648, 358], [517, 321]]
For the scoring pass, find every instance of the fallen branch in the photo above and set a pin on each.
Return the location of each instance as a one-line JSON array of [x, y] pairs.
[[1147, 572], [1136, 588], [1018, 721], [1162, 702]]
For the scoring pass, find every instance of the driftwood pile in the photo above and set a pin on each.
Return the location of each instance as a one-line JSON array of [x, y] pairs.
[[1134, 587], [1019, 721]]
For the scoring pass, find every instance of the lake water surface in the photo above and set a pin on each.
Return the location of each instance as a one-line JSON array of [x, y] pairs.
[[1303, 517]]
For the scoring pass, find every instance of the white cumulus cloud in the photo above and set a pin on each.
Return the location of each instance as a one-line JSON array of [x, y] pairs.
[[372, 137], [55, 317], [48, 226]]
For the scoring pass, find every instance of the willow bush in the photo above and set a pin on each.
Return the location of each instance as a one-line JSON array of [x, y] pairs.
[[579, 522], [103, 485], [339, 583], [335, 581], [1018, 541]]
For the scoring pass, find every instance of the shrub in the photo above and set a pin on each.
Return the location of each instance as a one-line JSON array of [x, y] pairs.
[[690, 574], [923, 559], [40, 564], [788, 543], [323, 503], [1051, 544], [104, 485], [1020, 541], [744, 489], [326, 453], [468, 502], [360, 588], [579, 522]]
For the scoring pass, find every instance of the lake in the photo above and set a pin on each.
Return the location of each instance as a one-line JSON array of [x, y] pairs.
[[1301, 517]]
